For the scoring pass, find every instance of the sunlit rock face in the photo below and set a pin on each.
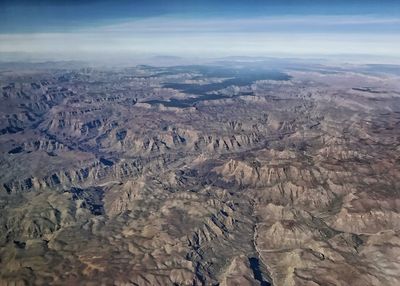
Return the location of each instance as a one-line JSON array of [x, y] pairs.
[[174, 176]]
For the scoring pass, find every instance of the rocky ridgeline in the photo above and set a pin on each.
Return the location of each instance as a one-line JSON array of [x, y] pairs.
[[112, 177]]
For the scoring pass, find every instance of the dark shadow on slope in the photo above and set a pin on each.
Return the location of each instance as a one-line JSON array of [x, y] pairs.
[[255, 266]]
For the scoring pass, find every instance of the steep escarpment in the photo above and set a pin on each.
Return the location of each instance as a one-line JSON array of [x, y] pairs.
[[199, 175]]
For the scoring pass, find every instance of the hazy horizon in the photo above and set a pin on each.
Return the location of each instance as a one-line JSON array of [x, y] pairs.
[[69, 30]]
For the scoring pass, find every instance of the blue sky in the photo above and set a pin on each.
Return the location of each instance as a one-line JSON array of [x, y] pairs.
[[201, 28]]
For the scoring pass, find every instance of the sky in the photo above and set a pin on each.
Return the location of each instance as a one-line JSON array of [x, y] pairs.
[[208, 28]]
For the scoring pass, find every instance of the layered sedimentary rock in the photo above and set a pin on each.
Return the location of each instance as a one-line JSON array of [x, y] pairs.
[[199, 176]]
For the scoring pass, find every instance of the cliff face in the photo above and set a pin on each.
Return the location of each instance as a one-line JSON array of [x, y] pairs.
[[113, 178]]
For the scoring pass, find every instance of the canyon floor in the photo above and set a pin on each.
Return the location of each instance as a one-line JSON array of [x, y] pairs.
[[231, 173]]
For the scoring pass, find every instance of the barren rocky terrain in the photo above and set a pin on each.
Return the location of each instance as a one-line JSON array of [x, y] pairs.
[[227, 174]]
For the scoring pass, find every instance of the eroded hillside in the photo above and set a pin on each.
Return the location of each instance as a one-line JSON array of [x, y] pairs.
[[199, 175]]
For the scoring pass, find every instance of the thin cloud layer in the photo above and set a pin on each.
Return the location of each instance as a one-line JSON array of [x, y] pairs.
[[243, 33]]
